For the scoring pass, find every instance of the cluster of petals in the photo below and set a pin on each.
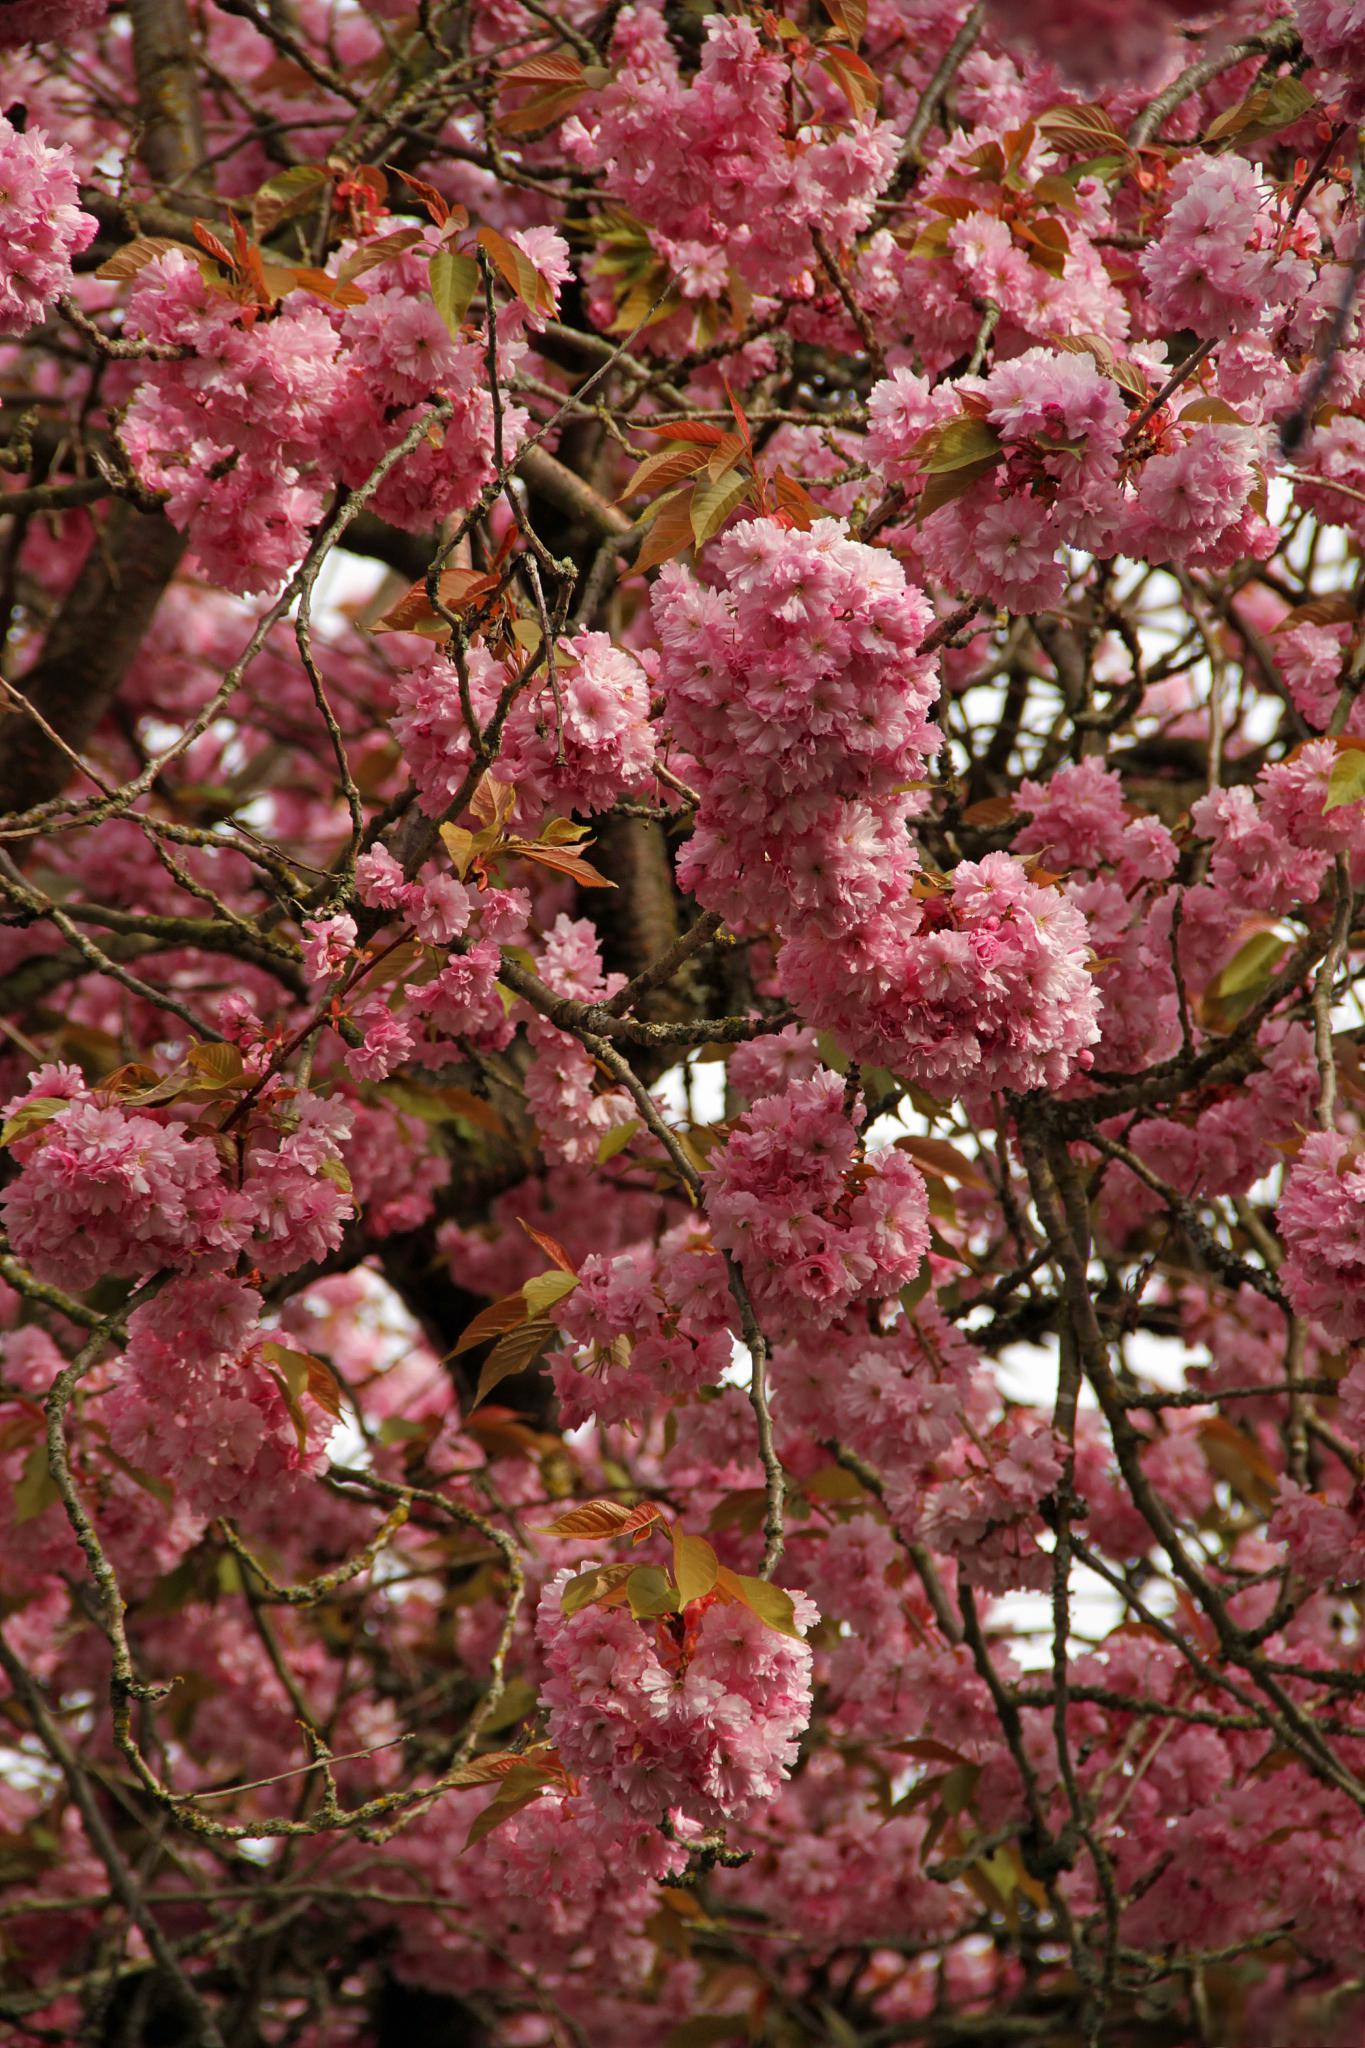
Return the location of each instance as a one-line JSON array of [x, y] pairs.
[[1214, 268], [711, 164], [650, 1324], [102, 1191], [814, 1226], [107, 1190], [573, 748], [1333, 34], [986, 984], [44, 227], [1273, 844], [794, 684], [197, 1405], [572, 1113], [1321, 1219], [699, 1720]]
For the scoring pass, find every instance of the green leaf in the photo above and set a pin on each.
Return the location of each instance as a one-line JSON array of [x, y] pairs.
[[285, 196], [523, 1783], [454, 281], [650, 1593], [37, 1111], [834, 1482], [959, 443], [695, 1566], [518, 1700], [914, 1291], [712, 503], [216, 1065], [542, 1293], [307, 1375], [338, 1173], [1346, 783], [767, 1601], [616, 1139], [1252, 963], [594, 1584], [1263, 112], [37, 1489]]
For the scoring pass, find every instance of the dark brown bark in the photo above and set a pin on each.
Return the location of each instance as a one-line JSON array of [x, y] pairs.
[[89, 650]]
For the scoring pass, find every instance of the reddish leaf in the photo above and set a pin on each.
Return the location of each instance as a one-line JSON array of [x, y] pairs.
[[561, 68], [514, 1353], [560, 860], [206, 239], [700, 431], [552, 1248], [507, 1314], [433, 200]]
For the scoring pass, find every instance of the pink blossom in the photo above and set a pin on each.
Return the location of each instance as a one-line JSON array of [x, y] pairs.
[[44, 227], [701, 1722]]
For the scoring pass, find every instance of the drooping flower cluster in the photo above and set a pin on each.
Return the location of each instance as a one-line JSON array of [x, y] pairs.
[[101, 1191], [696, 1716], [1274, 844], [104, 1190], [797, 689], [713, 168], [43, 226], [1215, 267], [651, 1324], [197, 1402], [814, 1226], [1334, 35], [983, 985], [1321, 1217], [232, 432], [575, 747]]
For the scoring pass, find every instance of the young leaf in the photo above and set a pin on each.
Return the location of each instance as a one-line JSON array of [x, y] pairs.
[[767, 1601], [552, 1248], [285, 196], [649, 1593], [136, 255], [712, 503], [307, 1375], [499, 1316], [514, 1353], [431, 199], [855, 80], [561, 860], [595, 1520], [594, 1584], [454, 281], [694, 1567], [517, 271], [670, 532], [31, 1116], [520, 1785], [36, 1489]]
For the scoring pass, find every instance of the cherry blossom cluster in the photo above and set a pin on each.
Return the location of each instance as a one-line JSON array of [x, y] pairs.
[[698, 1717], [815, 1222], [44, 227]]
